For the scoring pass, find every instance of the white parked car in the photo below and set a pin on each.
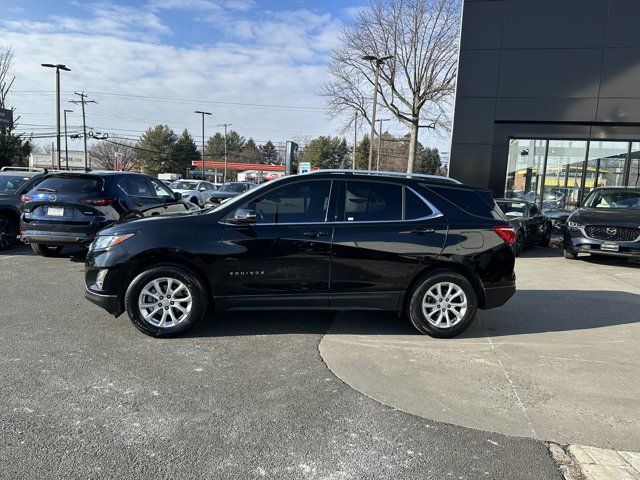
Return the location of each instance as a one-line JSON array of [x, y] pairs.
[[194, 191]]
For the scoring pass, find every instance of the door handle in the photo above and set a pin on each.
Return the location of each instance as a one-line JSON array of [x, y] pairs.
[[315, 234], [139, 203]]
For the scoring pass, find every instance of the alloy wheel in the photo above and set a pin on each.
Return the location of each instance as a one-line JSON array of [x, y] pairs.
[[444, 305], [165, 302]]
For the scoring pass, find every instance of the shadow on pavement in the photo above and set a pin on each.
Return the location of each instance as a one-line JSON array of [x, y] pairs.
[[73, 253], [528, 312]]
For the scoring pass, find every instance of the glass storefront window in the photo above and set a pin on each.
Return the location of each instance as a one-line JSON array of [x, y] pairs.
[[555, 175], [634, 167], [563, 174], [524, 169], [605, 167]]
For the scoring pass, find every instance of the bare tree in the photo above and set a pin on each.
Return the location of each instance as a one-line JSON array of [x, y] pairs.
[[6, 78], [104, 153], [418, 83]]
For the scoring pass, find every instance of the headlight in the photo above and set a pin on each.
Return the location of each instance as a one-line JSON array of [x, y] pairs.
[[185, 194], [574, 225], [103, 242]]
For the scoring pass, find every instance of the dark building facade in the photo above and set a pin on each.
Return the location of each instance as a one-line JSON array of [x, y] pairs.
[[548, 98]]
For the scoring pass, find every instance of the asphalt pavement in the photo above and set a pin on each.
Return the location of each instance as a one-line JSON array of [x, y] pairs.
[[558, 362], [85, 395]]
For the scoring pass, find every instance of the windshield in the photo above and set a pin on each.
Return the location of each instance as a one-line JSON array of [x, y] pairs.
[[618, 199], [183, 185], [513, 209], [10, 183], [233, 187]]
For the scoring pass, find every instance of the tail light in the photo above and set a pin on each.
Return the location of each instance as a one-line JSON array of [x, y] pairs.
[[99, 202], [507, 234], [26, 198]]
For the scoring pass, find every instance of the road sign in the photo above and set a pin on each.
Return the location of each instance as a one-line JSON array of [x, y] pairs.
[[6, 118], [305, 167]]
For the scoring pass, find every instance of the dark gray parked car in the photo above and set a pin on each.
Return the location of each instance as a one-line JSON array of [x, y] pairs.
[[14, 182]]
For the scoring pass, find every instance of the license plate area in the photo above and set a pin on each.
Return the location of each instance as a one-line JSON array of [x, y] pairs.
[[55, 211], [609, 247]]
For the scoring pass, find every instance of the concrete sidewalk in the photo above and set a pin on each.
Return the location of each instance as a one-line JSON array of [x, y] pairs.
[[559, 362]]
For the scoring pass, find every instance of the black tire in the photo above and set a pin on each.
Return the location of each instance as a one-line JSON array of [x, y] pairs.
[[189, 279], [417, 295], [546, 240], [8, 231], [194, 200], [518, 245], [46, 250], [570, 255]]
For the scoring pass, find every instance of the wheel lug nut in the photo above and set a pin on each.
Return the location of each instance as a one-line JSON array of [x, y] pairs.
[[166, 308], [171, 303]]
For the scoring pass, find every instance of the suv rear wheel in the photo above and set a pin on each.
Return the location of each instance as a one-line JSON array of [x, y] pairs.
[[442, 305], [46, 250], [8, 231], [166, 300]]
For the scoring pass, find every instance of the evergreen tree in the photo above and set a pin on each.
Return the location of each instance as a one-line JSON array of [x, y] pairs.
[[13, 150], [362, 153], [428, 161], [327, 152], [154, 150], [250, 152], [184, 153], [268, 153]]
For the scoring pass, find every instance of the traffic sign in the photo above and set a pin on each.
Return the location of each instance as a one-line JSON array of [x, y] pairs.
[[305, 167], [6, 118]]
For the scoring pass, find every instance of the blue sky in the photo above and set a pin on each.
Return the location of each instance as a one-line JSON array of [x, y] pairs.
[[258, 65]]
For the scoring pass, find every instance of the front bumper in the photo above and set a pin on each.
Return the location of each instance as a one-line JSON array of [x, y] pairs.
[[576, 242], [107, 302]]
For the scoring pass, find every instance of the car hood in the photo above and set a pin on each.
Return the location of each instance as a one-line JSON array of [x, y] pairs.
[[592, 216], [182, 190]]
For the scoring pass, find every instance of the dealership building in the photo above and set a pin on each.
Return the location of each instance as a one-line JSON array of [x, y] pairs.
[[548, 98]]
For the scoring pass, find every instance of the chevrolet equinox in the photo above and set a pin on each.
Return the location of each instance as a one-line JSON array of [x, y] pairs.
[[429, 248]]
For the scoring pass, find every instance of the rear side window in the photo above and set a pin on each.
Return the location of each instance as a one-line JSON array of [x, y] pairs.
[[372, 201], [139, 187], [71, 184], [376, 201], [467, 199]]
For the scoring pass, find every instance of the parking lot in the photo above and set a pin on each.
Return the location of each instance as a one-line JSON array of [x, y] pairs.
[[244, 396], [248, 395]]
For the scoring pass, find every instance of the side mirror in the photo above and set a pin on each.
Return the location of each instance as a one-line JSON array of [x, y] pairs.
[[244, 216], [177, 196], [202, 188]]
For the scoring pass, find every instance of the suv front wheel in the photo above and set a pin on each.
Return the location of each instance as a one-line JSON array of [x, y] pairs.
[[8, 231], [442, 305], [166, 300]]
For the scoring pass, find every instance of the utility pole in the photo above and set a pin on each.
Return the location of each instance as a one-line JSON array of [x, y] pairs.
[[58, 67], [83, 100], [380, 141], [379, 61], [225, 125], [66, 148], [355, 140], [203, 114]]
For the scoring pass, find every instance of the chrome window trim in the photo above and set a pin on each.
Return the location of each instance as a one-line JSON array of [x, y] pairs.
[[435, 214]]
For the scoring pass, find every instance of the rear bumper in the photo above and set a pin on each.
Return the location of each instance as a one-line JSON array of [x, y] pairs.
[[107, 302], [498, 296], [57, 238]]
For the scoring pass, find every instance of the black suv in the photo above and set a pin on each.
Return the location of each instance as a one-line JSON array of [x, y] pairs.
[[14, 182], [427, 246], [607, 223], [70, 208]]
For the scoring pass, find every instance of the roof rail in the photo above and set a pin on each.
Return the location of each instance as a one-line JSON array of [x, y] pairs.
[[384, 173], [23, 169]]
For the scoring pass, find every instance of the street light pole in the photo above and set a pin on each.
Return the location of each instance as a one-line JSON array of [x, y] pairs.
[[225, 125], [203, 114], [380, 141], [66, 148], [58, 67], [379, 61]]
